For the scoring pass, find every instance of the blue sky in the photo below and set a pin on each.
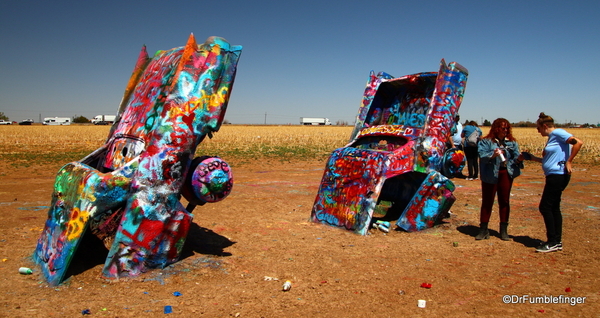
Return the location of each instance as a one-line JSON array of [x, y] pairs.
[[307, 58]]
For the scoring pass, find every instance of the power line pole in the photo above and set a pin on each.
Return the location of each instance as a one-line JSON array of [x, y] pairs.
[[265, 118]]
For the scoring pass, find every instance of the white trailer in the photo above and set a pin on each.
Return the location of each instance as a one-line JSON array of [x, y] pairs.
[[104, 120], [57, 121], [314, 121]]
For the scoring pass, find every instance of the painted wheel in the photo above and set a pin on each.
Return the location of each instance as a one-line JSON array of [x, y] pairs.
[[209, 180]]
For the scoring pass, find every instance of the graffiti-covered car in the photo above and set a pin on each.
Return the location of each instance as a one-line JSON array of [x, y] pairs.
[[127, 193], [399, 153]]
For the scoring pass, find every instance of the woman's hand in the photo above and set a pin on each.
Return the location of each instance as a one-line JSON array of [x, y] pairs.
[[498, 152]]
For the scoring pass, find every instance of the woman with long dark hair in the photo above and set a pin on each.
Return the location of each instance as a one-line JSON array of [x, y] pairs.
[[500, 163]]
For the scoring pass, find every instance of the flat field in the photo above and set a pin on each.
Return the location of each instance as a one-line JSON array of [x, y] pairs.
[[241, 250], [240, 144]]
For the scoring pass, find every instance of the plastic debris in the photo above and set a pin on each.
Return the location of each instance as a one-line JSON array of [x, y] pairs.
[[25, 271], [383, 226], [177, 294], [168, 309], [86, 312], [426, 285], [287, 285], [421, 303]]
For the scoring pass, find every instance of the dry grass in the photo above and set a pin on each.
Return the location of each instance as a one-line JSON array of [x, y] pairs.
[[237, 144], [276, 142], [42, 139], [56, 145]]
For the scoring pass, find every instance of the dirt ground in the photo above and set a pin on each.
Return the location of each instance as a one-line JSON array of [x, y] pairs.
[[240, 252]]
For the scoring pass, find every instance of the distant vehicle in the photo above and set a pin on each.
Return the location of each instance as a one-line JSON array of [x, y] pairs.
[[3, 122], [57, 121], [27, 122], [104, 120], [314, 121]]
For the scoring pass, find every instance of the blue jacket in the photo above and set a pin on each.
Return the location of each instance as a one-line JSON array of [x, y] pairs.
[[488, 167]]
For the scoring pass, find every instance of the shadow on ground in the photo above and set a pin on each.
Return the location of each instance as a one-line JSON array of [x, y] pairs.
[[472, 230], [204, 241], [92, 252]]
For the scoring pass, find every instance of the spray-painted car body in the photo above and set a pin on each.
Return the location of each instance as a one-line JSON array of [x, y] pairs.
[[398, 151], [128, 192]]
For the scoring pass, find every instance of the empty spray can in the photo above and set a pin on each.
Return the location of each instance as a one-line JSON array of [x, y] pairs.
[[287, 285], [502, 157], [25, 271]]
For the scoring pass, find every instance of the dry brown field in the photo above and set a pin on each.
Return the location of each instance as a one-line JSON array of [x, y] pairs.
[[239, 251], [240, 143]]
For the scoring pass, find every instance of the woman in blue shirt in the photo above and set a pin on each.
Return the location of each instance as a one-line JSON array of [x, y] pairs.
[[557, 159], [500, 163], [472, 135]]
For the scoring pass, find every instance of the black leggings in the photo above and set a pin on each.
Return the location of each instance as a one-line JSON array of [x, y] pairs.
[[472, 161], [550, 205]]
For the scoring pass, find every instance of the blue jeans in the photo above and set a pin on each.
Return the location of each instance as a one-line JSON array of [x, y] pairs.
[[550, 205]]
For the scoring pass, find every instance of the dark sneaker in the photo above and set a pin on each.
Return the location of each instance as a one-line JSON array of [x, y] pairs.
[[548, 247]]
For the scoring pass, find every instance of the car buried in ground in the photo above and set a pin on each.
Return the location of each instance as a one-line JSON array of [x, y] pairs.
[[400, 159]]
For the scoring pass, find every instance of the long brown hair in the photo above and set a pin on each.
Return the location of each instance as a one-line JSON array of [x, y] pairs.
[[495, 130]]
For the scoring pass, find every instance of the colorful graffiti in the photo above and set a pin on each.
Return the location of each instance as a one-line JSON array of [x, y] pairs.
[[399, 151], [128, 192]]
